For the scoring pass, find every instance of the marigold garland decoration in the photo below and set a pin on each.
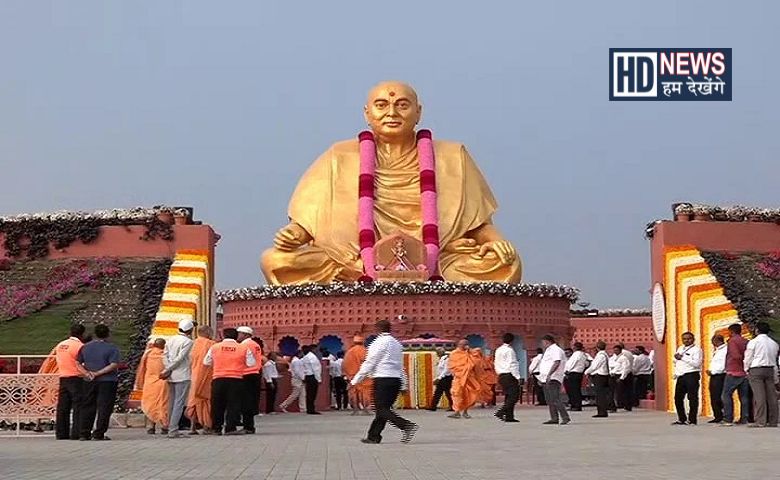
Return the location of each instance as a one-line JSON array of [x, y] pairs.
[[695, 302]]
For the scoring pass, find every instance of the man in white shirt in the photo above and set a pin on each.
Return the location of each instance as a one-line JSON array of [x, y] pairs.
[[687, 371], [296, 381], [339, 382], [312, 371], [643, 371], [761, 358], [537, 390], [178, 372], [717, 373], [270, 379], [614, 401], [326, 355], [624, 386], [384, 363], [508, 370], [599, 375], [575, 370], [551, 372], [443, 380]]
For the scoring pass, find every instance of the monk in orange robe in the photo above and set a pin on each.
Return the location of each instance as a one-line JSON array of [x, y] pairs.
[[49, 395], [154, 398], [488, 378], [467, 384], [49, 366], [360, 395], [199, 401]]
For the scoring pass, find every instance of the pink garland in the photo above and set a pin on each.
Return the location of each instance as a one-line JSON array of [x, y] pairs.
[[430, 210], [367, 236], [428, 203]]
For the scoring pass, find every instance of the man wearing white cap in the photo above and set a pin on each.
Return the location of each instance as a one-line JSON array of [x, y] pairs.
[[176, 360], [250, 406]]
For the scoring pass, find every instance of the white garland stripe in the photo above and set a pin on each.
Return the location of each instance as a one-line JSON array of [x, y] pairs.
[[398, 288]]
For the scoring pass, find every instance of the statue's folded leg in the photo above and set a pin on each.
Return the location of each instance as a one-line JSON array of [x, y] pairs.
[[461, 267], [305, 265]]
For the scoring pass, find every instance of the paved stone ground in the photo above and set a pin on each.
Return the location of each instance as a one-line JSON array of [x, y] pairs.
[[640, 445]]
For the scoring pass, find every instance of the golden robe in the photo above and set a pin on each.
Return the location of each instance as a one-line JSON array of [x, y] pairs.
[[49, 367], [325, 204], [362, 393], [154, 399], [468, 386], [489, 379], [199, 400]]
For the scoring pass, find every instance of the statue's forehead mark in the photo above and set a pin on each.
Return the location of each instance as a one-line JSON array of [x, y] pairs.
[[392, 93]]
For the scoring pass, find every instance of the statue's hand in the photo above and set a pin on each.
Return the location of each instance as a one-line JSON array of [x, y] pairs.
[[290, 237], [505, 251], [462, 245]]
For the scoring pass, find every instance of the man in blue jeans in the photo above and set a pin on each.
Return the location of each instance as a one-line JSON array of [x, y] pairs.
[[100, 360], [736, 378]]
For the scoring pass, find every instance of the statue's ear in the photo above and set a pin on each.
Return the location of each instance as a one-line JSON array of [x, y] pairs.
[[365, 113], [419, 113]]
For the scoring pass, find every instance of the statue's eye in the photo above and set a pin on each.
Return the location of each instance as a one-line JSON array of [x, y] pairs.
[[381, 105], [403, 105]]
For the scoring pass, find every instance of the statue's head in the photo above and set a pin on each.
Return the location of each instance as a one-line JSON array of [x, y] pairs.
[[392, 111]]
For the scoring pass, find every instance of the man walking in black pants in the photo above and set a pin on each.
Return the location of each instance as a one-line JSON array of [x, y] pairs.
[[100, 360], [71, 392], [687, 372], [384, 363], [339, 382], [508, 370], [443, 380], [575, 369], [229, 359], [312, 370], [599, 375]]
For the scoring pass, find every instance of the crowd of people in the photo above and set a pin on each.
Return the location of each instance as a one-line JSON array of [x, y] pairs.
[[214, 387], [749, 368]]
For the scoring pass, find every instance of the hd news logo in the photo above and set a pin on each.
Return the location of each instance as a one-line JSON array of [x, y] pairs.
[[670, 74]]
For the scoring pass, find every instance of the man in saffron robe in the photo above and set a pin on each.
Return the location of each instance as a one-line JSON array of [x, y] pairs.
[[467, 384], [360, 394], [321, 244], [49, 396], [488, 379], [49, 366], [199, 401], [154, 399]]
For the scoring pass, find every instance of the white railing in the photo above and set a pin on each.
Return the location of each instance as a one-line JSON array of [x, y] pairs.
[[25, 395]]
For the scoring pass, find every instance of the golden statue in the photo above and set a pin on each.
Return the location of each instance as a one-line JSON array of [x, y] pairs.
[[322, 241]]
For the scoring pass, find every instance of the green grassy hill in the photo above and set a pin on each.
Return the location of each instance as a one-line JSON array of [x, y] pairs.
[[116, 301]]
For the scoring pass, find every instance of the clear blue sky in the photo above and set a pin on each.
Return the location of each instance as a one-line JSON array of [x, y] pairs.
[[222, 105]]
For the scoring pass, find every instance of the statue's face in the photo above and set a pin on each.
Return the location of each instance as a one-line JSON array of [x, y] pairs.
[[392, 110]]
